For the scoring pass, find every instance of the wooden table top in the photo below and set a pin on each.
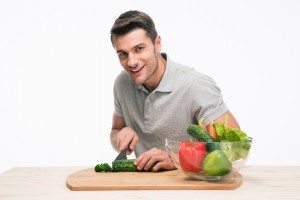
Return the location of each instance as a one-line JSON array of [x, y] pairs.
[[259, 182]]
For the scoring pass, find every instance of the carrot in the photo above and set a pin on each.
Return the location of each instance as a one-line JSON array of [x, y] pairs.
[[212, 131], [209, 128], [200, 123]]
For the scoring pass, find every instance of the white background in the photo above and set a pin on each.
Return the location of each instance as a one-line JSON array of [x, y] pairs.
[[57, 69]]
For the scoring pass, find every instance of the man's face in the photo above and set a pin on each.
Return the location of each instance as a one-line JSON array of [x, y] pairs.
[[138, 55]]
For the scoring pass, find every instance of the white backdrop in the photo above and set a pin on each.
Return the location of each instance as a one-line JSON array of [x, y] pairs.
[[57, 69]]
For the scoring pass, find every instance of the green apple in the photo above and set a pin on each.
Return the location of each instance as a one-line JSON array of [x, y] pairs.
[[216, 163]]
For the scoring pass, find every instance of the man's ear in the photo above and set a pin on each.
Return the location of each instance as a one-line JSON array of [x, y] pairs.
[[157, 44]]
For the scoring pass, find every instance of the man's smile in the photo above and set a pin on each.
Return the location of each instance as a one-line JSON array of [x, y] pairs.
[[136, 70]]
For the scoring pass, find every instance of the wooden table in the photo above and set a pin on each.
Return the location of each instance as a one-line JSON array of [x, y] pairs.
[[259, 182]]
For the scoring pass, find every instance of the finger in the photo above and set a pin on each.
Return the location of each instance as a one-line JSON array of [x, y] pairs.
[[119, 142], [148, 155], [142, 160], [125, 142], [133, 143], [159, 165], [122, 145], [139, 158], [152, 161], [166, 164], [155, 155]]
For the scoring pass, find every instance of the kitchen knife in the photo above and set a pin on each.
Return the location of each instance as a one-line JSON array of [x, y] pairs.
[[122, 155]]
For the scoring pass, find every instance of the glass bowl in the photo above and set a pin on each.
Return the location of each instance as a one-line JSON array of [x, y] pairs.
[[208, 160]]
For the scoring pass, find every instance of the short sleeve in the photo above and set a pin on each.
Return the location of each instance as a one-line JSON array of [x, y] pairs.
[[208, 100]]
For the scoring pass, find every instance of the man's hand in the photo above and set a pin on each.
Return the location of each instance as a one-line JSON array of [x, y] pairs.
[[122, 137], [127, 139], [149, 158]]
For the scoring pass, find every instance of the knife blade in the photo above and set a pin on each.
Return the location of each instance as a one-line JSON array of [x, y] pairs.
[[122, 155]]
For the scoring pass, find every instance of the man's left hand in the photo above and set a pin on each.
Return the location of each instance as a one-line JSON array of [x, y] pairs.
[[149, 158]]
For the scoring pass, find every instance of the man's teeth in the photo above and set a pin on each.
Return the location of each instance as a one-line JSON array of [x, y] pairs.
[[135, 70]]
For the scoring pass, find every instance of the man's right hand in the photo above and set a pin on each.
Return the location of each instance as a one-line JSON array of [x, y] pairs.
[[127, 139], [121, 136]]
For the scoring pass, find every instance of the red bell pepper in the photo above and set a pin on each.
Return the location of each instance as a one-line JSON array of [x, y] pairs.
[[191, 155]]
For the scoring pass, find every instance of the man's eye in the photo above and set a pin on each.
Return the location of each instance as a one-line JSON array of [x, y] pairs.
[[121, 54], [138, 49]]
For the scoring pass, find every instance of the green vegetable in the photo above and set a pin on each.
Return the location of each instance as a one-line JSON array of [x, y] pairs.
[[241, 143], [124, 166], [216, 163], [127, 166], [199, 133], [211, 146], [229, 134], [236, 150], [219, 130], [103, 167]]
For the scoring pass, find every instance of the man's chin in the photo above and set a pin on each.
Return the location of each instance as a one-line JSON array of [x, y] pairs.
[[137, 81]]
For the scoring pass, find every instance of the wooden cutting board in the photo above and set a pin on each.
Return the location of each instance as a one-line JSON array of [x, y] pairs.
[[88, 179]]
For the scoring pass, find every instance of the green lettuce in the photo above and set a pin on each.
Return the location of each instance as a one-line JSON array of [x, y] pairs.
[[236, 142]]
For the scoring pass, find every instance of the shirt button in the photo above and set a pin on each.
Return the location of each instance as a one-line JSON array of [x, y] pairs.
[[148, 101], [147, 116]]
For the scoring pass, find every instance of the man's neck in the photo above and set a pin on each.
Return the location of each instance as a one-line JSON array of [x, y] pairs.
[[162, 64]]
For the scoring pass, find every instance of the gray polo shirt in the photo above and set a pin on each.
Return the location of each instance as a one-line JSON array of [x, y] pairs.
[[182, 97]]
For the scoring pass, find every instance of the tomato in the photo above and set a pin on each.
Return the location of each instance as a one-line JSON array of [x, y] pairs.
[[191, 155]]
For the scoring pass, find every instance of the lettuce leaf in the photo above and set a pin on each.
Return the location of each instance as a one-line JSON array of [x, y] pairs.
[[234, 151]]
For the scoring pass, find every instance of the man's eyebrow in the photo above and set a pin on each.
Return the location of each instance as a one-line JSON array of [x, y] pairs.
[[140, 44], [119, 51]]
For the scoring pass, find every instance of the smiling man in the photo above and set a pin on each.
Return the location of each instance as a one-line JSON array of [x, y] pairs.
[[156, 98]]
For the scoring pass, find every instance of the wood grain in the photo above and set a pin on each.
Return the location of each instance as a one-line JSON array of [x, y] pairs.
[[49, 183], [88, 179]]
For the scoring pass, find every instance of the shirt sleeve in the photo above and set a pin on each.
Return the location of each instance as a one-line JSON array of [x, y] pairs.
[[208, 100]]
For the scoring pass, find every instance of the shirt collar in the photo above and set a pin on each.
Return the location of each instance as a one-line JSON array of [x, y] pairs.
[[166, 83]]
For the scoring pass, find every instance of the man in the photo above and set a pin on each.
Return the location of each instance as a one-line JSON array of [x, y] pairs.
[[156, 98]]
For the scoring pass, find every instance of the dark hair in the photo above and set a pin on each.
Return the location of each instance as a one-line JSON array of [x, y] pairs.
[[131, 20]]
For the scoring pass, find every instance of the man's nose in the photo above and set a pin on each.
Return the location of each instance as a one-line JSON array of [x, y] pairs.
[[133, 60]]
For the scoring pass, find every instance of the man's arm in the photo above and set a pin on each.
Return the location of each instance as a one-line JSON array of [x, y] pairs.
[[122, 137], [226, 117], [118, 123], [231, 121]]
